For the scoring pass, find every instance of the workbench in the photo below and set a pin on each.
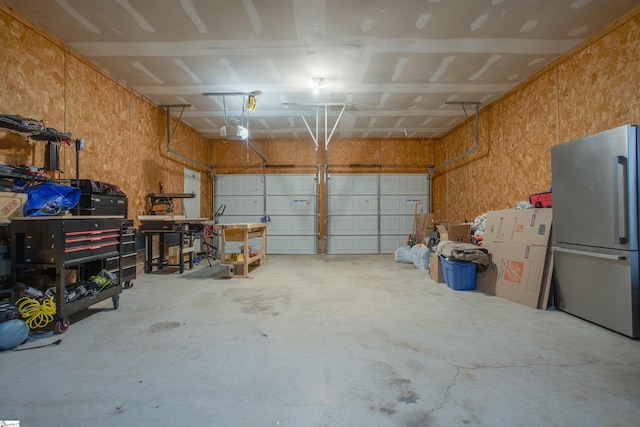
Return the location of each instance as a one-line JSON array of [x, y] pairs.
[[157, 225], [242, 233]]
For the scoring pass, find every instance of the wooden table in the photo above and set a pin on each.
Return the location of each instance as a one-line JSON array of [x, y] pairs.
[[242, 233]]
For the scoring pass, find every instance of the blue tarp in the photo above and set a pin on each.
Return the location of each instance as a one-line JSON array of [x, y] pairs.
[[50, 199]]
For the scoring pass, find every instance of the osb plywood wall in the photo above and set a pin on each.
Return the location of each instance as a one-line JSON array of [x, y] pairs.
[[599, 87], [341, 156], [25, 58], [278, 156], [595, 88], [125, 135]]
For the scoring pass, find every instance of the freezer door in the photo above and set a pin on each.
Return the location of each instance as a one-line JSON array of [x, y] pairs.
[[598, 286], [595, 190]]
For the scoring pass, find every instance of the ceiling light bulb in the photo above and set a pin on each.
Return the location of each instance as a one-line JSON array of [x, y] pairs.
[[316, 84]]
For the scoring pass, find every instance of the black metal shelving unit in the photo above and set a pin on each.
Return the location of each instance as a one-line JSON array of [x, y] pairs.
[[84, 244]]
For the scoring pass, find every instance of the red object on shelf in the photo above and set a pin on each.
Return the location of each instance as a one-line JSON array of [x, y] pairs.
[[541, 200]]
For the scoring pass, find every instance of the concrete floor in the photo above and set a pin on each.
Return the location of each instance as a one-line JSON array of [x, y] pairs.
[[321, 341]]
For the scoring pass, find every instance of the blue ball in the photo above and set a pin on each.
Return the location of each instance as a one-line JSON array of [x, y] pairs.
[[13, 333]]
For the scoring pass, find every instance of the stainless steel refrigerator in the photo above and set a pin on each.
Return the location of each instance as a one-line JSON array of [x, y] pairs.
[[595, 228]]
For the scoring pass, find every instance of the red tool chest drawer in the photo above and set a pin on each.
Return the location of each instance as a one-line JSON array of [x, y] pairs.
[[68, 240]]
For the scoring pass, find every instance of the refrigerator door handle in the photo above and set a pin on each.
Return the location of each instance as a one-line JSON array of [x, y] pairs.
[[620, 199], [590, 254]]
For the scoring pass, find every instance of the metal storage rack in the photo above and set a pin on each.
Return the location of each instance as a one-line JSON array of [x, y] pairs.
[[68, 243]]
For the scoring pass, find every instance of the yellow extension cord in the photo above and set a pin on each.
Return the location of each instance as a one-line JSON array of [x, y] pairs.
[[36, 314], [250, 103]]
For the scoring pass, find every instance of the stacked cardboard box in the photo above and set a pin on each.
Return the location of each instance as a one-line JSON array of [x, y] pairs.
[[424, 225], [454, 232], [435, 268], [11, 206], [521, 262]]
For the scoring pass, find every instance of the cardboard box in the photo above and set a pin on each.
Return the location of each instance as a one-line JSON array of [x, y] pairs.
[[11, 206], [435, 268], [521, 262], [517, 272], [529, 226], [455, 232], [174, 255], [424, 225]]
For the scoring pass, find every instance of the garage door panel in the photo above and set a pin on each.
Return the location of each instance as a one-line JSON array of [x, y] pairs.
[[303, 245], [289, 200], [388, 199], [282, 205], [239, 185], [353, 245], [353, 205], [291, 184], [353, 184], [389, 244], [242, 205], [353, 225], [403, 184], [292, 225], [396, 224], [398, 204]]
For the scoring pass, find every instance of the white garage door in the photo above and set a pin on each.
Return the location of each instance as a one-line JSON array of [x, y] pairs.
[[287, 202], [373, 213]]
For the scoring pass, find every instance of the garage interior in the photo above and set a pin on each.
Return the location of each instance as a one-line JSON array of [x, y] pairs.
[[358, 118]]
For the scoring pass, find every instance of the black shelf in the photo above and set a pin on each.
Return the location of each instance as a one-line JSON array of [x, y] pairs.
[[29, 179], [70, 308], [80, 243], [31, 128]]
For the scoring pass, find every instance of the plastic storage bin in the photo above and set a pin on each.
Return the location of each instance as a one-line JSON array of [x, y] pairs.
[[459, 275]]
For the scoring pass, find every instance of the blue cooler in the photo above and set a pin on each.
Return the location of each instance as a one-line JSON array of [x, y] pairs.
[[459, 275]]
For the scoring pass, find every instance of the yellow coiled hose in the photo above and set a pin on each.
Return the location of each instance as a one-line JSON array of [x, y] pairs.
[[250, 104], [36, 314]]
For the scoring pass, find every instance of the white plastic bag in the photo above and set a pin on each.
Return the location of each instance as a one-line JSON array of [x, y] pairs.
[[420, 256], [403, 255]]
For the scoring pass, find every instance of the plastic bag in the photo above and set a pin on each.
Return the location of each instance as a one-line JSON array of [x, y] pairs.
[[420, 256], [49, 199], [404, 255]]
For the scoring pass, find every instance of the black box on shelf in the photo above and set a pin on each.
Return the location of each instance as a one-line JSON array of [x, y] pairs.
[[99, 198]]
